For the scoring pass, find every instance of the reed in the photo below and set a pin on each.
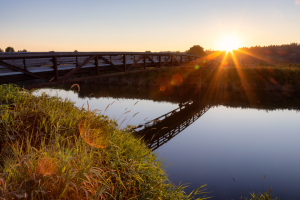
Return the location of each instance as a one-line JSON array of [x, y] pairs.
[[44, 155]]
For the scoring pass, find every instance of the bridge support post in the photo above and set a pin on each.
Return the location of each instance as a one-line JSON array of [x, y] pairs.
[[124, 63], [159, 61], [55, 68], [24, 63], [96, 65], [144, 61]]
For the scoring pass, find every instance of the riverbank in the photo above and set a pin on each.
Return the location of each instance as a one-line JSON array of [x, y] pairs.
[[54, 150], [266, 78]]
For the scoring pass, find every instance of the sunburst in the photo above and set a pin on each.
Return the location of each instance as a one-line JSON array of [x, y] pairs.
[[229, 43]]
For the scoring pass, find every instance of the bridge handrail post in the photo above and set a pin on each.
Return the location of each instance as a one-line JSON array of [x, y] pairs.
[[54, 61], [124, 62], [96, 65], [159, 61]]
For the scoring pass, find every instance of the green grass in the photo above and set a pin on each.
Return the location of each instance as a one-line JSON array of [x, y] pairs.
[[45, 156]]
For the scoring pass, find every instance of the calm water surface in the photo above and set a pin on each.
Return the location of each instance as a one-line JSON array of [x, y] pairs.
[[233, 140]]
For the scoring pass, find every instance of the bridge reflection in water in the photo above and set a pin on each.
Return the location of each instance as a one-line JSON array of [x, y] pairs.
[[162, 129]]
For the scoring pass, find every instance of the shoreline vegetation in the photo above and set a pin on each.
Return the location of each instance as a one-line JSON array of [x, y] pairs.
[[264, 77], [51, 149]]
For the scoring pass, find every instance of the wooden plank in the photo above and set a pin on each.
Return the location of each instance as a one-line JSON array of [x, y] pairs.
[[21, 70], [77, 68]]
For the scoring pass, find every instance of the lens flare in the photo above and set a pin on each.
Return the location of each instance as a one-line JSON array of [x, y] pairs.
[[297, 2], [95, 135], [47, 166], [162, 88], [176, 79], [197, 67]]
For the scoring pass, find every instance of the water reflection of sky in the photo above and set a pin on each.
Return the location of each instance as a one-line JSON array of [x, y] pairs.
[[241, 143], [146, 109], [224, 143]]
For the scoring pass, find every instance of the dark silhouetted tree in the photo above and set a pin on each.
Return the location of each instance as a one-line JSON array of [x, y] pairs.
[[9, 49], [196, 50], [24, 50], [1, 50], [76, 51]]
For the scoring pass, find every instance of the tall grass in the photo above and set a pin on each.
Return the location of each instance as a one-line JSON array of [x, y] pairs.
[[44, 156]]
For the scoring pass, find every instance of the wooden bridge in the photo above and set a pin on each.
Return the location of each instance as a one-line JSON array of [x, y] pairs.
[[63, 67], [162, 129]]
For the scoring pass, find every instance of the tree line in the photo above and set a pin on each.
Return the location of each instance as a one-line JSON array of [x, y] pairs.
[[11, 49], [273, 50], [194, 50]]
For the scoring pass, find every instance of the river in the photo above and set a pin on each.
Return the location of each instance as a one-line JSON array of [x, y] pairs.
[[235, 142]]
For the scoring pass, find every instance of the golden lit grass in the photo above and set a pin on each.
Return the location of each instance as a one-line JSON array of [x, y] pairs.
[[43, 155], [96, 135]]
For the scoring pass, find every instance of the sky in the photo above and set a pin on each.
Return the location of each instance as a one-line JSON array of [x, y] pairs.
[[140, 25]]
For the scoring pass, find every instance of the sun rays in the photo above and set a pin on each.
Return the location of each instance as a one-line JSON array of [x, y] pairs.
[[224, 63]]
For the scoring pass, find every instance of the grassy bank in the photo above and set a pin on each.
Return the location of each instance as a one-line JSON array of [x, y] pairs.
[[51, 149], [265, 77]]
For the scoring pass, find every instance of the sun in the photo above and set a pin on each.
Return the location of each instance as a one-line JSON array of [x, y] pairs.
[[229, 43]]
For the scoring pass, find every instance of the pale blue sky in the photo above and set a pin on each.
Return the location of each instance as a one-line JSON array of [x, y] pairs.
[[138, 25]]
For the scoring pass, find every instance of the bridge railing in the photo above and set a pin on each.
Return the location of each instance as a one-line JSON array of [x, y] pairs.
[[156, 134], [59, 67]]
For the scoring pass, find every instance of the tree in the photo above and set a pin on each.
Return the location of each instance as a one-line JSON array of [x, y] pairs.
[[76, 51], [9, 49], [24, 50], [1, 50], [196, 50]]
